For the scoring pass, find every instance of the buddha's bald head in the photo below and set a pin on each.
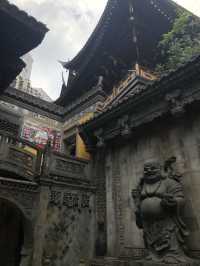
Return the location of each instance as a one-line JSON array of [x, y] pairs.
[[152, 169]]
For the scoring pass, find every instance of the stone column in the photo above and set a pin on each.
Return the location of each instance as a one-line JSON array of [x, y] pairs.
[[40, 228]]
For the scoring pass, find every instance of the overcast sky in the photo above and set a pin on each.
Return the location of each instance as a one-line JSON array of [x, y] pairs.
[[70, 23]]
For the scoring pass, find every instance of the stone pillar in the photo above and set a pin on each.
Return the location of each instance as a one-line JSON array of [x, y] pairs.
[[40, 228], [101, 219]]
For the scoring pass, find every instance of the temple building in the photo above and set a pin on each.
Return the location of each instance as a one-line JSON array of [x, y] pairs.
[[123, 188]]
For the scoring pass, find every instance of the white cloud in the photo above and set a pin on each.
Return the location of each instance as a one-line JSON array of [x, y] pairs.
[[191, 5], [70, 23]]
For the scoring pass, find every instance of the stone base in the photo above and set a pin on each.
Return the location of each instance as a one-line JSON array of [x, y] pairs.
[[129, 262]]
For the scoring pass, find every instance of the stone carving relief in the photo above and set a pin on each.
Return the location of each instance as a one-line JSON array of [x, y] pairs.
[[66, 166], [67, 238], [23, 162], [175, 102], [159, 200], [71, 200], [124, 123], [24, 196], [21, 158]]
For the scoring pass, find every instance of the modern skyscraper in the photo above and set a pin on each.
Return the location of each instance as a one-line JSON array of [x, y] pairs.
[[22, 81]]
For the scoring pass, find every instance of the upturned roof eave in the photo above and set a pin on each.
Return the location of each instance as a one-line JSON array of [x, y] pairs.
[[91, 48], [92, 41], [21, 16], [177, 76], [93, 37]]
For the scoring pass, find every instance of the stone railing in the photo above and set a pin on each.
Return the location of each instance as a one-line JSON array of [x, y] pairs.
[[62, 168], [117, 90], [22, 160], [18, 158]]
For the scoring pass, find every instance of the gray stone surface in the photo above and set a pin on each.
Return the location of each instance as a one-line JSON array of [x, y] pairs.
[[124, 166], [69, 233]]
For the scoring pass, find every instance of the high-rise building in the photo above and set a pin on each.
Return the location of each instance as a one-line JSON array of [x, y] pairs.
[[39, 93], [22, 82], [26, 72]]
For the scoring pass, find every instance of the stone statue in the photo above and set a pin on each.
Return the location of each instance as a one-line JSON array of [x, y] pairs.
[[159, 199]]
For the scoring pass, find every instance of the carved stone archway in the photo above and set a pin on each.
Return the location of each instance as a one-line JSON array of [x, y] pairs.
[[27, 227], [24, 196]]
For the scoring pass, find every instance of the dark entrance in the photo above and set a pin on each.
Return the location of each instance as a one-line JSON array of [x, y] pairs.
[[11, 234]]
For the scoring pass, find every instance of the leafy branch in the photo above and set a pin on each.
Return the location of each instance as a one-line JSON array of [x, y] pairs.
[[180, 44]]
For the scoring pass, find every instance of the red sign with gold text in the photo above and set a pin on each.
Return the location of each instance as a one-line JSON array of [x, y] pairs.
[[40, 135]]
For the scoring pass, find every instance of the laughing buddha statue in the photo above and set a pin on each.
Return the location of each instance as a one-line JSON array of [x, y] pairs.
[[159, 200]]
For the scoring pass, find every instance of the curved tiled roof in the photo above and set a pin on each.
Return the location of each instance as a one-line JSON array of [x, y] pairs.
[[22, 16], [20, 32], [182, 70], [109, 22], [96, 36], [101, 28]]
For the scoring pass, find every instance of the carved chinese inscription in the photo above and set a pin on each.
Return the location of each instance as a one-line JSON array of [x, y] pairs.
[[70, 200], [55, 197], [85, 201], [159, 199]]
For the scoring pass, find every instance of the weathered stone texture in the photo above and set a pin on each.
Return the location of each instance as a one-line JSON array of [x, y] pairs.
[[40, 226], [124, 165], [69, 231]]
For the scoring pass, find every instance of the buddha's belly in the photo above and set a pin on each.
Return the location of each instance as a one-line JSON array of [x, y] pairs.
[[151, 208]]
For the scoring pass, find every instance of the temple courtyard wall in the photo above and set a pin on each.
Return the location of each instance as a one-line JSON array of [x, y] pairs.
[[65, 228], [119, 166]]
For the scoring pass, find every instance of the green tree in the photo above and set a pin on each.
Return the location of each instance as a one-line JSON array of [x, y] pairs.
[[180, 44]]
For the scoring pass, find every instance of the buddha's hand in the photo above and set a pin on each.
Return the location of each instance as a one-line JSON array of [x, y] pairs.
[[168, 200], [135, 194]]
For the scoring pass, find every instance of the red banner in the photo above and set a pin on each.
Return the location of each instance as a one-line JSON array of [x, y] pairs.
[[40, 135]]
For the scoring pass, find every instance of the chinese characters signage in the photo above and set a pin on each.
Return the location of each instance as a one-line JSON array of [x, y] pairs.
[[39, 135], [70, 200]]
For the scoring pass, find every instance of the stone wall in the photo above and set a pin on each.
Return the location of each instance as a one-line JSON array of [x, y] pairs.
[[69, 227], [57, 218], [124, 161]]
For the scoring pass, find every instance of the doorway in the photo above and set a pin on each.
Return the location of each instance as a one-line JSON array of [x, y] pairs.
[[11, 234]]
